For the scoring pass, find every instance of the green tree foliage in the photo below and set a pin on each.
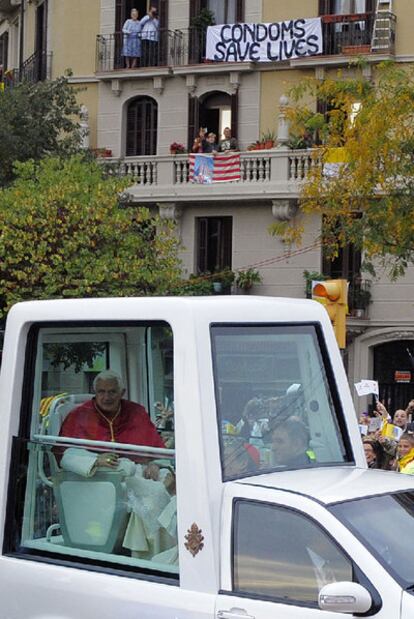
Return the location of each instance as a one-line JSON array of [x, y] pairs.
[[367, 199], [63, 234], [37, 120]]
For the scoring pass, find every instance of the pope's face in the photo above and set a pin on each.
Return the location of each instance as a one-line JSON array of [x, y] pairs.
[[108, 396]]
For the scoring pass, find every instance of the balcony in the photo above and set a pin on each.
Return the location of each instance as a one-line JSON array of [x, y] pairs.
[[190, 46], [109, 55], [354, 35], [265, 175], [36, 68]]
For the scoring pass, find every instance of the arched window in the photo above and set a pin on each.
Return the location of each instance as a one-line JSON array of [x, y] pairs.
[[141, 130]]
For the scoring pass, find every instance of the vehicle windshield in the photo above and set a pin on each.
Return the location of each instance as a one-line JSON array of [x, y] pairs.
[[276, 400], [385, 525]]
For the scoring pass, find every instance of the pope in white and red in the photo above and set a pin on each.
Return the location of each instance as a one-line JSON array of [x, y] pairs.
[[107, 417]]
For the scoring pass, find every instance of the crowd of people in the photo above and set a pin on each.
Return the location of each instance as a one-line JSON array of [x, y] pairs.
[[391, 445], [206, 142]]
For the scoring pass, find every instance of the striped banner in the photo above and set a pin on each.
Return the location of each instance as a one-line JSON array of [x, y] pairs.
[[220, 168]]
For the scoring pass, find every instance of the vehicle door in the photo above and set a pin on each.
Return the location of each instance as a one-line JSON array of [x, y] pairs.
[[279, 549], [95, 542]]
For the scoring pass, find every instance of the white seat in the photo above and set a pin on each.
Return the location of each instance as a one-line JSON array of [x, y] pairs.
[[60, 409], [92, 511]]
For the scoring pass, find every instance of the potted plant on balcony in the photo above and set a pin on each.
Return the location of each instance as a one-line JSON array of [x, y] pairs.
[[176, 148], [246, 279], [268, 138], [360, 297], [222, 280], [197, 41]]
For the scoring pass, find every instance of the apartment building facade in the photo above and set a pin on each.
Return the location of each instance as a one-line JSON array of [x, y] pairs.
[[136, 114]]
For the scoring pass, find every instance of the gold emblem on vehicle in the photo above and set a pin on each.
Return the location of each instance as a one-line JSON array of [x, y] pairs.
[[195, 539]]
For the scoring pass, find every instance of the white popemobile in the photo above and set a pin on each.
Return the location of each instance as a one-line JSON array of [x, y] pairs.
[[260, 503]]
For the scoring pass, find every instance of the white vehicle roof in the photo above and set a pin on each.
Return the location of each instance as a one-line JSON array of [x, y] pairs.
[[226, 308], [335, 484]]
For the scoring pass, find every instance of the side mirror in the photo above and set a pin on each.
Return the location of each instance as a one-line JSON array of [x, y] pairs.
[[344, 597]]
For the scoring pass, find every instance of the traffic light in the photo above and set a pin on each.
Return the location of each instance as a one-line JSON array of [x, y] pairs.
[[333, 294]]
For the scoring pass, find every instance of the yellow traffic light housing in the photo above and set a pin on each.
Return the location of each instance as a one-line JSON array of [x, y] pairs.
[[333, 294]]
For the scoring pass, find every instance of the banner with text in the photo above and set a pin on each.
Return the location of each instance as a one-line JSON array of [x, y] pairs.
[[265, 42]]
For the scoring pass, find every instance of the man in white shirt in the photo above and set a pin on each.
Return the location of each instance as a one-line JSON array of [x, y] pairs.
[[150, 26]]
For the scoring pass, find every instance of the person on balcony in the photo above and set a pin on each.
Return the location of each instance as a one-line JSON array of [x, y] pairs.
[[132, 40], [199, 141], [210, 144], [228, 144], [150, 26]]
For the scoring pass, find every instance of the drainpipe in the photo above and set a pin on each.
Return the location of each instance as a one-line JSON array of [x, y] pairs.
[[21, 42]]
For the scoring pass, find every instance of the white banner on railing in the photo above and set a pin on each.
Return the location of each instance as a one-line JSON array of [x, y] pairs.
[[265, 42]]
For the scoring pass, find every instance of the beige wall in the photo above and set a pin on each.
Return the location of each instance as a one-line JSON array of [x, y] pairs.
[[252, 244], [274, 84], [404, 11], [29, 30], [172, 109], [280, 10], [74, 25], [88, 95]]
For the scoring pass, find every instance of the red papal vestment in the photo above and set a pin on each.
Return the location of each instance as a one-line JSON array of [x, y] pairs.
[[132, 425]]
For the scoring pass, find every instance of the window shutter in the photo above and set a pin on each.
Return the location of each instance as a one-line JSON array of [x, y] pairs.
[[235, 115], [325, 7], [142, 127], [227, 241], [193, 119], [195, 8], [163, 13], [201, 244], [119, 15], [240, 11]]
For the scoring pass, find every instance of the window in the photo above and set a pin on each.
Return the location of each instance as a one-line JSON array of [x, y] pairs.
[[346, 265], [225, 11], [276, 399], [142, 123], [214, 243], [386, 534], [87, 443], [283, 555], [345, 7], [4, 47], [348, 7]]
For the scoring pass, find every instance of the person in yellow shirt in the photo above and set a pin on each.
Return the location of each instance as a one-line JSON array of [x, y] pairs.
[[405, 450]]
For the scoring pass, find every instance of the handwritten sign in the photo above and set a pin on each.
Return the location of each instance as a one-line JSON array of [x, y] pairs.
[[270, 42], [367, 387]]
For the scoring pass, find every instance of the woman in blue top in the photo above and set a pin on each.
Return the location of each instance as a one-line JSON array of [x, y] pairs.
[[132, 40]]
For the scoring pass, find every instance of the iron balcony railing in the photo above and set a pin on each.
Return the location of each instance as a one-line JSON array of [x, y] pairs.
[[110, 51], [342, 34], [37, 68], [190, 46], [354, 33]]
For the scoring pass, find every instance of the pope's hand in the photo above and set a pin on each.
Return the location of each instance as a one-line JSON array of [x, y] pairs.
[[152, 471], [109, 460]]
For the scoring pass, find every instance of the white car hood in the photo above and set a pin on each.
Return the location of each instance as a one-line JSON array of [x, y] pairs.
[[332, 484]]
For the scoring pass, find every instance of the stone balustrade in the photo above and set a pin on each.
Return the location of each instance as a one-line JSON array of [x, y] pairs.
[[273, 174]]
